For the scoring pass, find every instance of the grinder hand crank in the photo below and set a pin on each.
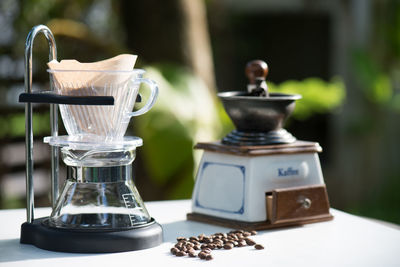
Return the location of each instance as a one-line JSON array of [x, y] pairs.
[[256, 71]]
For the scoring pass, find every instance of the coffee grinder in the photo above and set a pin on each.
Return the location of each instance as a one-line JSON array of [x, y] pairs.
[[259, 176], [99, 208]]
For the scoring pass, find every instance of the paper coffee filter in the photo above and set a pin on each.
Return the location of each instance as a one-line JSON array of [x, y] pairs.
[[76, 74]]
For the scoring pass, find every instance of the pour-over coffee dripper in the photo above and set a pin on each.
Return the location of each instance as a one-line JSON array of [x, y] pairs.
[[99, 208], [99, 192], [101, 122]]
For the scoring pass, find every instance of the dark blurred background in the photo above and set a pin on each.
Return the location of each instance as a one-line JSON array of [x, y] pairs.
[[343, 56]]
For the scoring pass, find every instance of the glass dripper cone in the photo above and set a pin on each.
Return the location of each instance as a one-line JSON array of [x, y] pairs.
[[105, 122]]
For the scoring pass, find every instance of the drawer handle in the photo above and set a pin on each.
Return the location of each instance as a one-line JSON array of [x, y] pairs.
[[306, 203]]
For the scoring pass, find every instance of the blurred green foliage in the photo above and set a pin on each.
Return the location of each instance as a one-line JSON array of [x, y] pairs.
[[375, 83], [383, 203], [318, 96], [376, 65], [186, 112], [13, 125]]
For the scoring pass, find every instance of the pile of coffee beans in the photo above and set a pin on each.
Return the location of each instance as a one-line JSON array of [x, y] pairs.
[[206, 244]]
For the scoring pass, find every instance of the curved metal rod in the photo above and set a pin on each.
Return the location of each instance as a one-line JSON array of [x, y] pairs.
[[28, 122]]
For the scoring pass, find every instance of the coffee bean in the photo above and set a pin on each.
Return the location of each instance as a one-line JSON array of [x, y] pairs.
[[209, 257], [194, 238], [218, 243], [174, 250], [202, 255], [206, 250], [228, 246], [259, 246], [180, 254], [246, 234], [250, 242], [207, 240], [235, 238], [242, 243]]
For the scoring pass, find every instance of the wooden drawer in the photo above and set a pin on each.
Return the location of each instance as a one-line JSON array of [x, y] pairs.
[[285, 207], [297, 204]]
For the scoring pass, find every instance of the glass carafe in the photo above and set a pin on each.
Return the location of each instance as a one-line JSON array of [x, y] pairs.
[[99, 192]]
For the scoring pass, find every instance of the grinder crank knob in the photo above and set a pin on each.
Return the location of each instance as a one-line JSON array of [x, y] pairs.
[[256, 70]]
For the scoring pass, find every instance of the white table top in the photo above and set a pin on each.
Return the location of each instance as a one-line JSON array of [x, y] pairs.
[[346, 241]]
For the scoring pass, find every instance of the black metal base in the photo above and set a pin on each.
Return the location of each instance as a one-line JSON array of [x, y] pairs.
[[238, 138], [41, 235]]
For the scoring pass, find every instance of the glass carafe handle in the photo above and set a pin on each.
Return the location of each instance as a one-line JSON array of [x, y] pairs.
[[152, 98]]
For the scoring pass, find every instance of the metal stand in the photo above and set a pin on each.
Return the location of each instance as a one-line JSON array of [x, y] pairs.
[[28, 123]]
